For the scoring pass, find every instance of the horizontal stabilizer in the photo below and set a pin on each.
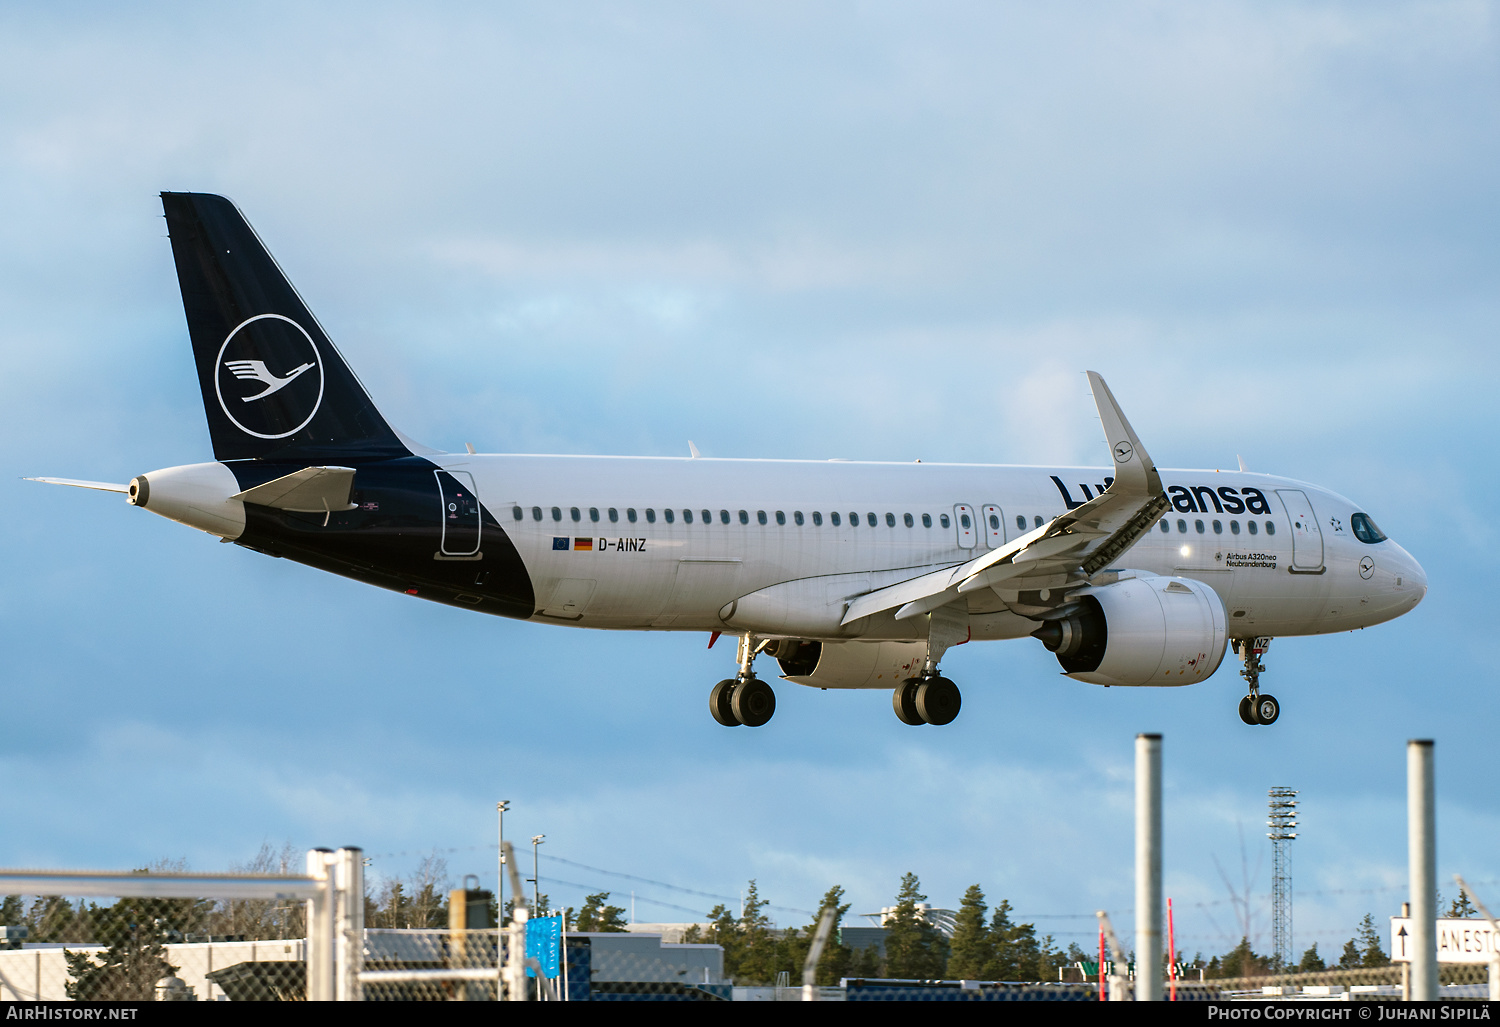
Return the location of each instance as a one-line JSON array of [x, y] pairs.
[[100, 486], [310, 490]]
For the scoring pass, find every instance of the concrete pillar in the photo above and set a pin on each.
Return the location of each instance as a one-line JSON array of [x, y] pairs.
[[1421, 847], [1148, 897]]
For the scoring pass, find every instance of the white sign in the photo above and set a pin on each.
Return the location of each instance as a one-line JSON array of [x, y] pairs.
[[1458, 941]]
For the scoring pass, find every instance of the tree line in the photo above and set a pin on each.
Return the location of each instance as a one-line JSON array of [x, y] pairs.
[[1363, 950], [985, 945]]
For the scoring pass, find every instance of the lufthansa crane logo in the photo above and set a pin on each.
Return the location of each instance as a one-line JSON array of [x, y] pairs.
[[269, 377], [1123, 452]]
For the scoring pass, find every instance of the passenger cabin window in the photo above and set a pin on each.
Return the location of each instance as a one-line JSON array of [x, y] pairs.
[[614, 515], [687, 517], [1270, 527], [818, 518], [1365, 529], [630, 514], [536, 513], [963, 519], [518, 513], [594, 514], [667, 513], [834, 518], [575, 514], [780, 517], [724, 516], [650, 516], [1021, 522], [1038, 523], [557, 513], [1234, 527], [873, 520], [760, 515], [797, 516], [890, 519], [1165, 527], [906, 519], [1254, 528], [708, 517], [1181, 526], [1218, 528], [927, 520], [853, 519], [943, 520], [744, 517], [1199, 526]]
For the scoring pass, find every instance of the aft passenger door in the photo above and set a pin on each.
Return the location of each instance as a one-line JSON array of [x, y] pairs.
[[1307, 537], [460, 513]]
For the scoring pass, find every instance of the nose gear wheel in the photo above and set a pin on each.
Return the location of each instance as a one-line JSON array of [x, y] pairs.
[[1255, 708]]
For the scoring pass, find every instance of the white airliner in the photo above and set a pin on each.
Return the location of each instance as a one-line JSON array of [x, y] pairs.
[[849, 575]]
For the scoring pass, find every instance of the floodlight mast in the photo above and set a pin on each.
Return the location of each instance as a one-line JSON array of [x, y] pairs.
[[1282, 821]]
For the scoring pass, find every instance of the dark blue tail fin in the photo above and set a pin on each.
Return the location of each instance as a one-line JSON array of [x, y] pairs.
[[273, 384]]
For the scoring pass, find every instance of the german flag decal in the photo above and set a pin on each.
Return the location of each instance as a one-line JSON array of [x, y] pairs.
[[585, 545]]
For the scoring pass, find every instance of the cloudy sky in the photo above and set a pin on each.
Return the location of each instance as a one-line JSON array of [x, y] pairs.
[[874, 231]]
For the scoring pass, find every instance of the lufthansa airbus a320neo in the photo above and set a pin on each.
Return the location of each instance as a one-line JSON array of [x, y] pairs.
[[849, 575]]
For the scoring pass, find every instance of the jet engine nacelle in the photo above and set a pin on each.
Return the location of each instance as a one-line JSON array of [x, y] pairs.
[[848, 664], [1143, 630], [198, 495]]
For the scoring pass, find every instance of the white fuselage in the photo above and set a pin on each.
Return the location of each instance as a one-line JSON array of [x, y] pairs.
[[621, 542]]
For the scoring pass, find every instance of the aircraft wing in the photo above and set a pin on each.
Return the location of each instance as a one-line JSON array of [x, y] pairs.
[[310, 490], [1085, 539]]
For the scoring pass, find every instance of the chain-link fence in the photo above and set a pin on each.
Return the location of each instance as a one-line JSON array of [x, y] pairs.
[[148, 936], [170, 936], [1456, 982]]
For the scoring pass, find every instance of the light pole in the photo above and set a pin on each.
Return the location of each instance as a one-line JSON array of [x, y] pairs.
[[500, 808], [536, 886]]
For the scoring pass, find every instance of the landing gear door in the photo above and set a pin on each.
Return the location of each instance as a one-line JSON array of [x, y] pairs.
[[963, 522], [461, 514], [1307, 537], [994, 526]]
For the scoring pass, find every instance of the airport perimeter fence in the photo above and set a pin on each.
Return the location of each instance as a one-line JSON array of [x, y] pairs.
[[147, 936], [164, 936], [1456, 982], [167, 936]]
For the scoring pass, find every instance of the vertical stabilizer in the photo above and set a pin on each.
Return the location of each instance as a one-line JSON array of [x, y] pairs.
[[273, 384]]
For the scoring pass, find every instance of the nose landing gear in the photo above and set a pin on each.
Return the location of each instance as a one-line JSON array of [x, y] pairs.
[[1255, 708], [743, 699]]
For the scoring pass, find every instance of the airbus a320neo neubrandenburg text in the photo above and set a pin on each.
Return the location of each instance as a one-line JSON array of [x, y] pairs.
[[847, 574]]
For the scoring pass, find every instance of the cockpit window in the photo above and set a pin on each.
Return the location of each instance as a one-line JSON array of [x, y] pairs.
[[1365, 529]]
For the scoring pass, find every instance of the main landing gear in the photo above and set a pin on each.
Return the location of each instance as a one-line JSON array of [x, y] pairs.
[[743, 699], [926, 700], [930, 698], [1255, 708]]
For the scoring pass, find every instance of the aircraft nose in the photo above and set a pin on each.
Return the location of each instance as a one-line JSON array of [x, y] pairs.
[[1413, 578]]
